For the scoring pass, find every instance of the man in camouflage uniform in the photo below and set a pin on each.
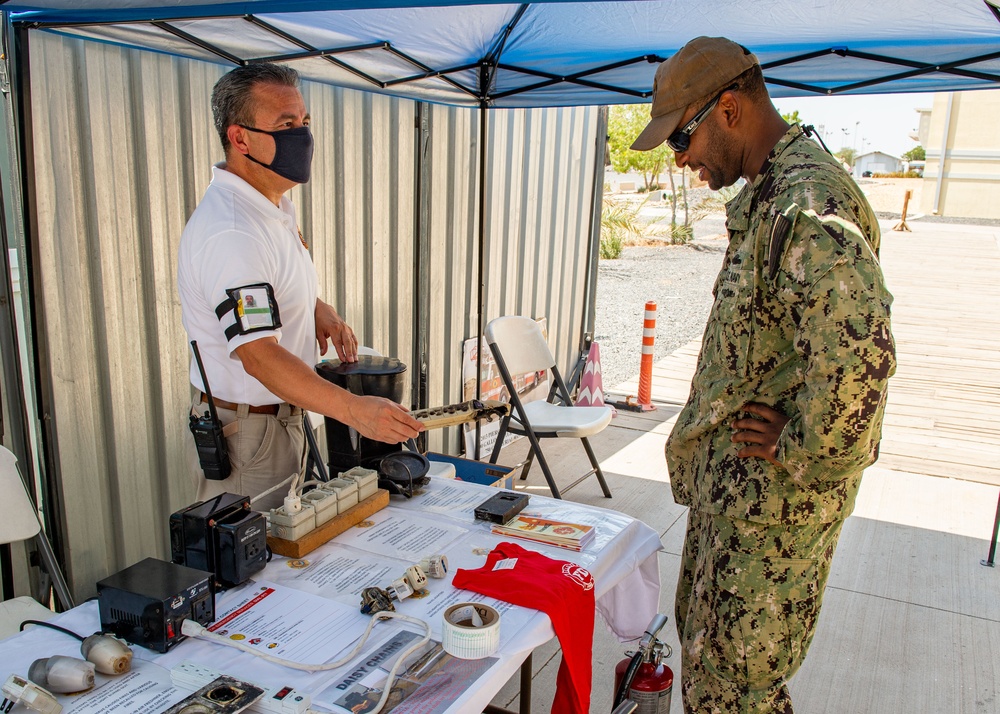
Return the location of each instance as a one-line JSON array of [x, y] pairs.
[[786, 404]]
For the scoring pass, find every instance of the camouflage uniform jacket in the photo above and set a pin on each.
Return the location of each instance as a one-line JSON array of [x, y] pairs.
[[800, 323]]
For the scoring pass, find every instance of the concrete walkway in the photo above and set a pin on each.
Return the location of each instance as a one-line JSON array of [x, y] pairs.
[[911, 622]]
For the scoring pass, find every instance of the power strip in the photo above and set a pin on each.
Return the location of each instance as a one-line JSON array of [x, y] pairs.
[[473, 410], [279, 700]]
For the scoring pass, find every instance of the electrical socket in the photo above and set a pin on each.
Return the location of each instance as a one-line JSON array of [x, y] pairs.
[[366, 479], [292, 526], [346, 492], [276, 700], [325, 504]]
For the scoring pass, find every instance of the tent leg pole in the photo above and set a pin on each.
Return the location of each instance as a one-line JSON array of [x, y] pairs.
[[993, 541], [481, 274]]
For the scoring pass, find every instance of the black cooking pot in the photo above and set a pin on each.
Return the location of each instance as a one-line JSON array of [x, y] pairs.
[[370, 376]]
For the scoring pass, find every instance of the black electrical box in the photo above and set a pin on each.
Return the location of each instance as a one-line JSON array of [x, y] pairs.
[[221, 535], [146, 603]]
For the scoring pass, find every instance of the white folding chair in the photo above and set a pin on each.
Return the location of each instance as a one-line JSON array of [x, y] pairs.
[[19, 523], [519, 347]]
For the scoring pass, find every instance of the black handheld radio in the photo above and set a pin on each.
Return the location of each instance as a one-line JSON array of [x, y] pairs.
[[207, 430]]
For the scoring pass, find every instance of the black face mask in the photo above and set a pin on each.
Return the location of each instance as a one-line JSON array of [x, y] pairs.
[[293, 151]]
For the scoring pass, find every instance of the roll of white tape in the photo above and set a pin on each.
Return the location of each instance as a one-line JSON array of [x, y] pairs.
[[470, 630]]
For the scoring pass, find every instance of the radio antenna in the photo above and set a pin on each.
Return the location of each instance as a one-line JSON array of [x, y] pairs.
[[204, 381]]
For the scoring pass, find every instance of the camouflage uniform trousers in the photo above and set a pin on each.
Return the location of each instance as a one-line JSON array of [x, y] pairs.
[[747, 603]]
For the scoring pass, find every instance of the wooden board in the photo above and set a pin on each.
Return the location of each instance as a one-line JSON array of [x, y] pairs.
[[332, 528]]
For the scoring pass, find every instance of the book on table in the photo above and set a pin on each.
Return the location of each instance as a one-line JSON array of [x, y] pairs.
[[574, 536]]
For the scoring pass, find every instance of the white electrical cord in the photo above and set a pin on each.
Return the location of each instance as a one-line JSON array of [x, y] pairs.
[[194, 629], [268, 492], [303, 486]]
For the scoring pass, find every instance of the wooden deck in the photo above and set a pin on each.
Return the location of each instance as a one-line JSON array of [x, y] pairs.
[[911, 621]]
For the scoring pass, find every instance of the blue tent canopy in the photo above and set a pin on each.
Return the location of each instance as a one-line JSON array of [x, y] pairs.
[[554, 53]]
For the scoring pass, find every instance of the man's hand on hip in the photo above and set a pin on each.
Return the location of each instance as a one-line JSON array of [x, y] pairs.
[[330, 327], [383, 420], [761, 434]]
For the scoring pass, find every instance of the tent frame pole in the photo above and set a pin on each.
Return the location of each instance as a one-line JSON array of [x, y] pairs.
[[993, 539]]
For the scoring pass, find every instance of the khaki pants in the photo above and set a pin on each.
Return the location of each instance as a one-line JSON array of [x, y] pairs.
[[747, 603], [264, 450]]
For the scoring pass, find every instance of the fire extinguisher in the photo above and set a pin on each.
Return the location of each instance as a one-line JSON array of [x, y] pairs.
[[642, 677]]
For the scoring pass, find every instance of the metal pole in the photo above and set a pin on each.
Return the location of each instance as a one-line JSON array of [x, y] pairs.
[[943, 154], [53, 506], [421, 269], [993, 541], [594, 239], [481, 273]]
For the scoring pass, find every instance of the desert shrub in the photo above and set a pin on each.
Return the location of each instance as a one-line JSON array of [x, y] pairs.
[[619, 223], [896, 174]]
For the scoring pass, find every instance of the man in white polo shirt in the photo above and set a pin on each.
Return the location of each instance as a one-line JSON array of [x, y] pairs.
[[249, 293]]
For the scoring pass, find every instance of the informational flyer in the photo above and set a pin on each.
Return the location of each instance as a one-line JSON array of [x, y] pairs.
[[428, 683], [146, 689], [455, 500], [402, 534], [287, 623], [337, 572]]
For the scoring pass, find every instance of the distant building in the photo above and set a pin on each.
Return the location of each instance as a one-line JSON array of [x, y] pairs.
[[876, 162], [962, 168]]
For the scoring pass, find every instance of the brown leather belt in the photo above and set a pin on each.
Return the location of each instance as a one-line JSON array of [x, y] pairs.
[[271, 409]]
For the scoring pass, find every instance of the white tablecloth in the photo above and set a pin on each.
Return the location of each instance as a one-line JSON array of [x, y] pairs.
[[622, 558]]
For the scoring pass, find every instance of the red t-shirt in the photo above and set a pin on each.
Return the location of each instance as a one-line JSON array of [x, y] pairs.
[[563, 591]]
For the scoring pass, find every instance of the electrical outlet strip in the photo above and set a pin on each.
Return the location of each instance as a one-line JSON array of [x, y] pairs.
[[279, 700], [473, 410]]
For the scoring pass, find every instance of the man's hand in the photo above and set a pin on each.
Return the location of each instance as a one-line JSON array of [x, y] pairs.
[[330, 327], [383, 420], [762, 434]]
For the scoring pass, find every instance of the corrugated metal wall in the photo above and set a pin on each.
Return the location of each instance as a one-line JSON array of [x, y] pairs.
[[123, 146]]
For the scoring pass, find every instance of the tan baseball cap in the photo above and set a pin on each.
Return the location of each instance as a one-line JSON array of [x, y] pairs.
[[702, 66]]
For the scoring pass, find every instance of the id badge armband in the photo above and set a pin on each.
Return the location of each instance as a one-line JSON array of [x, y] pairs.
[[254, 309]]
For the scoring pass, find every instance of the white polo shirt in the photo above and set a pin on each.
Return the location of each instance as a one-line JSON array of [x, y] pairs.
[[236, 238]]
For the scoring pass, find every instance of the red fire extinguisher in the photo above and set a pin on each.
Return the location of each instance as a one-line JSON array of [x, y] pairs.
[[642, 678]]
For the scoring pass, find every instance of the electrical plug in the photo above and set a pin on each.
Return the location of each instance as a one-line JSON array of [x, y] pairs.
[[20, 691], [293, 504], [436, 565], [63, 675], [416, 578], [107, 653]]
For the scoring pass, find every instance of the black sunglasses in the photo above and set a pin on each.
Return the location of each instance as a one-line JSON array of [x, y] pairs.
[[680, 140]]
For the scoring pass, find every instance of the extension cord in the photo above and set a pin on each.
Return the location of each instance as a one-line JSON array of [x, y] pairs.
[[453, 414], [277, 700]]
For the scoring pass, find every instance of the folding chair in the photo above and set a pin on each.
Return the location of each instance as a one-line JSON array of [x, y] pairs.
[[519, 347], [20, 523]]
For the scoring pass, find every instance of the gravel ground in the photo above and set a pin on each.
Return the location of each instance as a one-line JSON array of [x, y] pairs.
[[679, 279]]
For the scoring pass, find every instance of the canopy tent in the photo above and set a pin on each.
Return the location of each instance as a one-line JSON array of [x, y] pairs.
[[491, 55], [547, 53]]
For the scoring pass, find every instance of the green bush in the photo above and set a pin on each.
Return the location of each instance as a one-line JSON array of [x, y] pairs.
[[681, 234], [619, 222], [611, 246], [896, 174]]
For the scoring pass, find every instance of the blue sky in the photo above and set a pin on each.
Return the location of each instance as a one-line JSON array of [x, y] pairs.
[[886, 120]]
